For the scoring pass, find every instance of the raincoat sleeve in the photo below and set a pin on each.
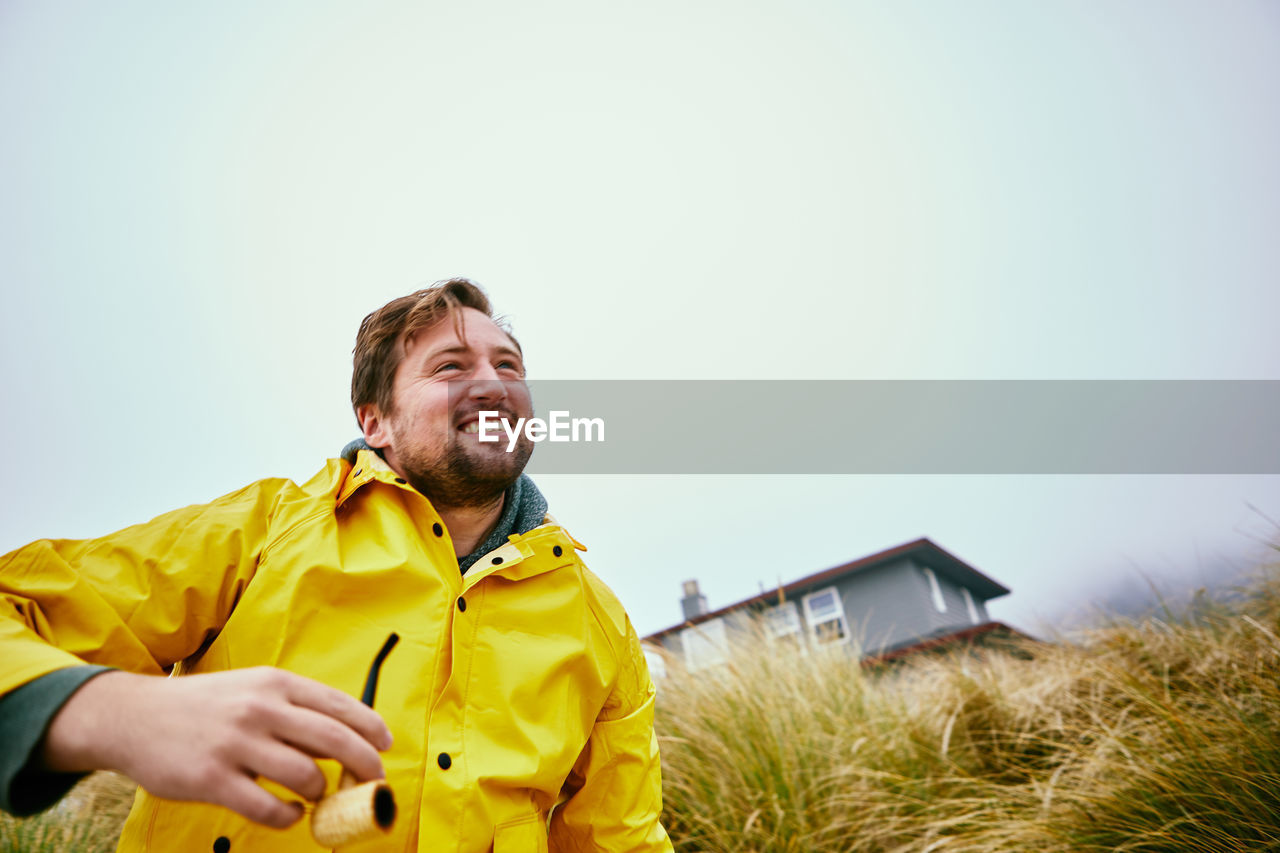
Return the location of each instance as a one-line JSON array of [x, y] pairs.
[[141, 599], [615, 789]]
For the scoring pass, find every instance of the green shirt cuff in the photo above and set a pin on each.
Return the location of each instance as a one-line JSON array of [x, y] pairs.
[[25, 713]]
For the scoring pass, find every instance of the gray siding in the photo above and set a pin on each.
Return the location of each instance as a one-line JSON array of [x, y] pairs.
[[886, 605], [739, 624], [956, 616], [978, 605], [894, 604]]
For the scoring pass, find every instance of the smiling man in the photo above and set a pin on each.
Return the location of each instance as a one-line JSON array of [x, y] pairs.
[[516, 714], [425, 421]]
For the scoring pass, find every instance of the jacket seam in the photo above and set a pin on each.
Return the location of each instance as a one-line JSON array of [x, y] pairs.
[[600, 622], [151, 823], [607, 630], [272, 543]]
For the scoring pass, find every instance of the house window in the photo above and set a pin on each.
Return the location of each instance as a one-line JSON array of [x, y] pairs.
[[935, 589], [782, 624], [825, 615], [969, 603], [704, 645]]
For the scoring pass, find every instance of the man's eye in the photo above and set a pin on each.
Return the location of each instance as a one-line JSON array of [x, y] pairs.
[[449, 365]]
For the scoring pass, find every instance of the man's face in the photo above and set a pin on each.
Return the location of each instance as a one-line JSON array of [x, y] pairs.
[[440, 387]]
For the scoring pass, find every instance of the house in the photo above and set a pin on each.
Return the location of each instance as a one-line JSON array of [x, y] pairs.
[[911, 597]]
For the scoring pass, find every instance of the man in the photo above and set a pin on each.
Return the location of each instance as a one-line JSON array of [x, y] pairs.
[[517, 706]]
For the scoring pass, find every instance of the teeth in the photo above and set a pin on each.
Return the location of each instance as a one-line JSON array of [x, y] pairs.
[[472, 428]]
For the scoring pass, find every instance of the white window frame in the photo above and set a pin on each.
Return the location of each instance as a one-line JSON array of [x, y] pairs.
[[783, 621], [705, 644], [935, 589], [815, 622], [974, 617]]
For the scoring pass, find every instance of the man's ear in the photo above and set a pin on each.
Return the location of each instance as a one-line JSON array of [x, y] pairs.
[[373, 424]]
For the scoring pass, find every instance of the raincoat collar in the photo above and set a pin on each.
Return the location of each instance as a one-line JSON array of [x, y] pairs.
[[524, 509]]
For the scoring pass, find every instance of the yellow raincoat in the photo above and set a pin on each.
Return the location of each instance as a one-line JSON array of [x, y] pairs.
[[513, 687]]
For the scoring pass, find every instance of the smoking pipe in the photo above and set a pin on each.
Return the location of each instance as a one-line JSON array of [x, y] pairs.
[[357, 812]]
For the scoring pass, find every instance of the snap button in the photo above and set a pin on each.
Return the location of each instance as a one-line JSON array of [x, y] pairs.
[[357, 473], [462, 604], [557, 550], [222, 845], [437, 529], [400, 480], [496, 560], [444, 761]]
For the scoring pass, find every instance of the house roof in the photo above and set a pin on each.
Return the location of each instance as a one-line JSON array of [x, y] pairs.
[[945, 639], [923, 551]]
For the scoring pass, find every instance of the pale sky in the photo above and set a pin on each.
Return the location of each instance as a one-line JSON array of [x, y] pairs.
[[200, 203]]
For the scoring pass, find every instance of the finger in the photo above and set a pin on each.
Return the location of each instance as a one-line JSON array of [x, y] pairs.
[[323, 736], [241, 794], [284, 764], [334, 703]]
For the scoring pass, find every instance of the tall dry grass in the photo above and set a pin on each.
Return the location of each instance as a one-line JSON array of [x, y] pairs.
[[87, 820], [1155, 735]]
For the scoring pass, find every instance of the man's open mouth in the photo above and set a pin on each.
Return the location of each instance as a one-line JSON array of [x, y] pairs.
[[470, 424]]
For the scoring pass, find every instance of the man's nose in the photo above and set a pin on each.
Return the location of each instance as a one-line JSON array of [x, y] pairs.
[[484, 384]]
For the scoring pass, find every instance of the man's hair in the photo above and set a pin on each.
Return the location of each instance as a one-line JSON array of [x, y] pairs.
[[385, 334]]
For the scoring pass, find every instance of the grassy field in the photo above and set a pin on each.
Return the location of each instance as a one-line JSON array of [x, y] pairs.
[[1153, 735], [87, 820]]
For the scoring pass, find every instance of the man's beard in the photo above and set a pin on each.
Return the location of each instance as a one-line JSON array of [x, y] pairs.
[[463, 480]]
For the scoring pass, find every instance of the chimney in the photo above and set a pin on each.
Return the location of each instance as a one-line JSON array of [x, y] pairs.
[[694, 603]]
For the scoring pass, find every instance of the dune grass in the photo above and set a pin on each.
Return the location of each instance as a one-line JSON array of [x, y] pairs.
[[1160, 734], [87, 820]]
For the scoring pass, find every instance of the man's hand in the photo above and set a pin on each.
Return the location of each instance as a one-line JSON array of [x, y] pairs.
[[208, 737]]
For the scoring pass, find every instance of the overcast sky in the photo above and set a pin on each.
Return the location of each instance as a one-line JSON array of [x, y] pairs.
[[200, 202]]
